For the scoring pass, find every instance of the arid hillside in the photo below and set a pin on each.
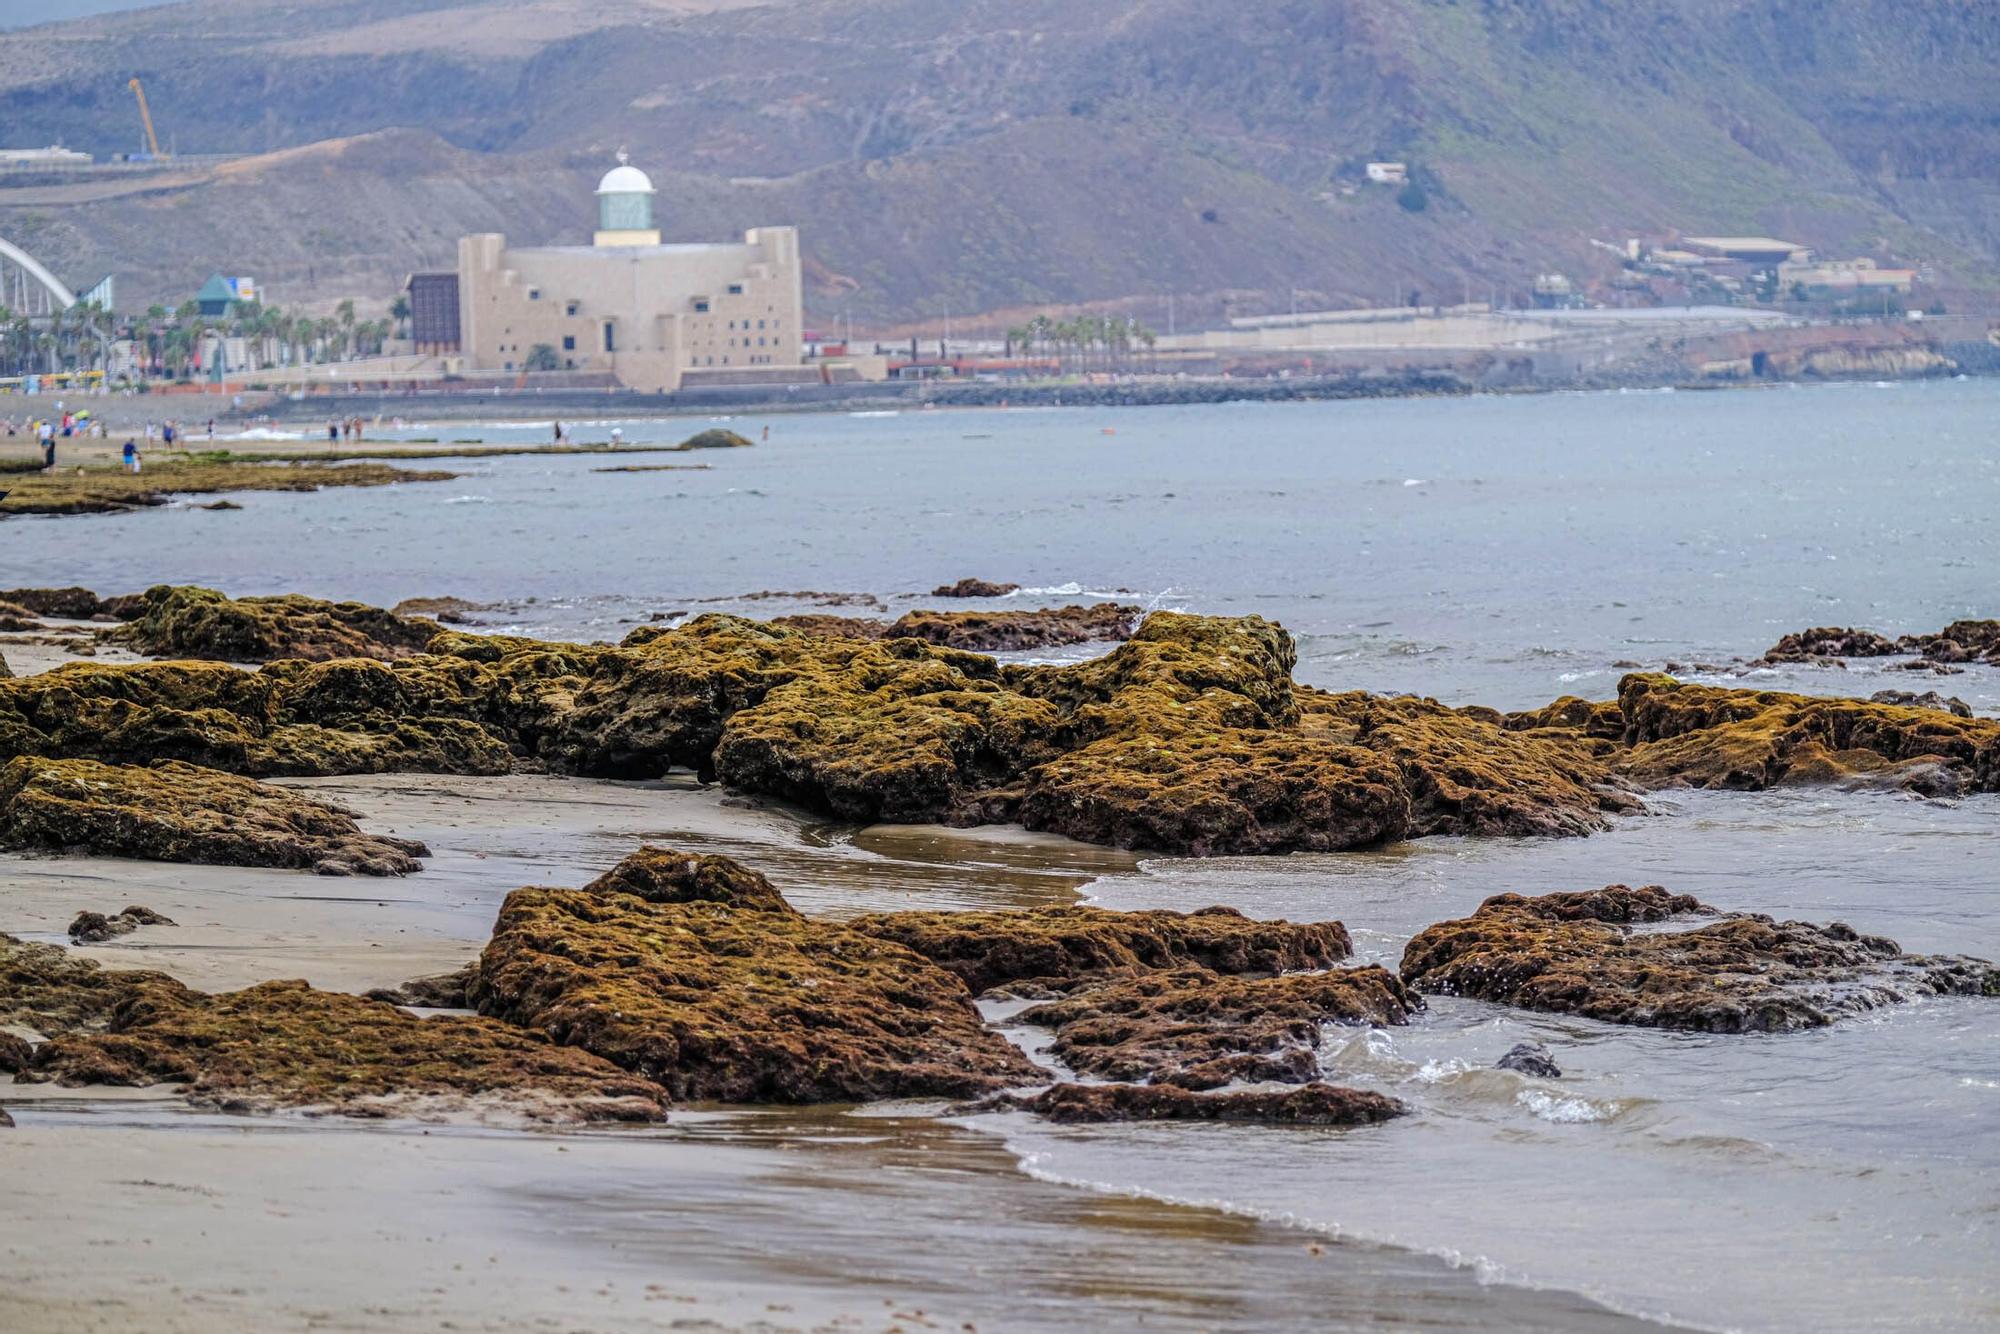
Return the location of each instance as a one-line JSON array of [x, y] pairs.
[[998, 154]]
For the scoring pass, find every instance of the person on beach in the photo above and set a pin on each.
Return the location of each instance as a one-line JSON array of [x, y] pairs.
[[131, 456], [211, 430], [332, 434], [166, 437], [558, 428], [48, 435]]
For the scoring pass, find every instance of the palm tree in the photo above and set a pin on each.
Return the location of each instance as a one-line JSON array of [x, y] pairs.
[[344, 312], [399, 311]]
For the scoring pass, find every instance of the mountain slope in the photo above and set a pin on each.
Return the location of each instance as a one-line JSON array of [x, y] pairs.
[[999, 153]]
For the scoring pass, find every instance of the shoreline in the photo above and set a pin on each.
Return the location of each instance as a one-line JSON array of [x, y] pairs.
[[627, 1224]]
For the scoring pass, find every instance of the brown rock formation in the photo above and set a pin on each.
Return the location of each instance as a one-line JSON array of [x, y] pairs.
[[283, 1044], [1199, 1030], [94, 928], [1314, 1105], [734, 1003], [1577, 953], [983, 631], [184, 813], [107, 490], [186, 622], [1047, 950], [973, 588], [1706, 736]]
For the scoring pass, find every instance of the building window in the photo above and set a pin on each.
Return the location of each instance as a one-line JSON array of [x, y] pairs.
[[569, 342], [534, 294], [610, 337], [510, 365], [760, 324], [570, 308], [701, 305], [760, 340], [736, 289]]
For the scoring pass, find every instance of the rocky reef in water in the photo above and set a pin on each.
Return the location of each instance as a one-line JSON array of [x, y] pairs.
[[1316, 1104], [108, 491], [177, 812], [1959, 642], [984, 631], [1604, 954]]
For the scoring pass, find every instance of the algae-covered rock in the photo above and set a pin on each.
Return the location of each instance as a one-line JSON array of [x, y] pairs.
[[1579, 953], [180, 812], [1466, 772], [284, 1044], [1315, 1104], [982, 631], [974, 588], [1054, 949], [110, 490], [737, 1004], [70, 604], [188, 622], [715, 437], [1200, 1030], [661, 875], [51, 991], [440, 991], [1707, 736], [1831, 642]]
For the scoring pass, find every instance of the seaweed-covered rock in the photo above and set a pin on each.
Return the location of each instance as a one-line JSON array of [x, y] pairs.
[[1707, 736], [1201, 1030], [440, 991], [284, 1044], [94, 928], [1578, 953], [1013, 631], [6, 1121], [187, 622], [51, 991], [1530, 1058], [1056, 949], [1831, 642], [1467, 772], [738, 1005], [715, 437], [180, 812], [111, 490], [1929, 699], [1313, 1105], [661, 875], [70, 604], [974, 588], [982, 631]]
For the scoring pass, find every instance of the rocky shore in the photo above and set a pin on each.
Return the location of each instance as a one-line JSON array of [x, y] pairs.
[[109, 491], [689, 977]]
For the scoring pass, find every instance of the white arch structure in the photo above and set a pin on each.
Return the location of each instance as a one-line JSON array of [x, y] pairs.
[[52, 288]]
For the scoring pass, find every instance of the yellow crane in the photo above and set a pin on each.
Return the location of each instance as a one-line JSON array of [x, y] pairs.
[[146, 118]]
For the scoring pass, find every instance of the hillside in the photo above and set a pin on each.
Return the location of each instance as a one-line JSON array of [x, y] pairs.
[[993, 154]]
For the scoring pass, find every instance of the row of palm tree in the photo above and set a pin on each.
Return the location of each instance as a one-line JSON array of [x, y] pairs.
[[1088, 342], [168, 342]]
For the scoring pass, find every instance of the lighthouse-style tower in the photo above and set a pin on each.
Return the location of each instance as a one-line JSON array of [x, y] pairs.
[[625, 206]]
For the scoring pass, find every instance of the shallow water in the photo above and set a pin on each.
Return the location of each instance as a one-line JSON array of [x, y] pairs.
[[1492, 550], [1847, 1178]]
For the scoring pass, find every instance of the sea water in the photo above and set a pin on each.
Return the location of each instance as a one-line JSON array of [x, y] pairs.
[[1494, 550]]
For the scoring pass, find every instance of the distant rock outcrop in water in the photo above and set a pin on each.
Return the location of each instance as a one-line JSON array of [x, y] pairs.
[[974, 588], [1600, 954], [985, 631], [1316, 1104], [1959, 642]]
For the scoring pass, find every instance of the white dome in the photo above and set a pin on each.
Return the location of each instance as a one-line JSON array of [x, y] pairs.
[[624, 179]]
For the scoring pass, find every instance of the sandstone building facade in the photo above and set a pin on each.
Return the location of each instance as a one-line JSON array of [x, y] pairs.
[[654, 316]]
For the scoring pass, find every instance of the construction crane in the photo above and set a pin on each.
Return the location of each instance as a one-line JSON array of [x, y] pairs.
[[146, 118]]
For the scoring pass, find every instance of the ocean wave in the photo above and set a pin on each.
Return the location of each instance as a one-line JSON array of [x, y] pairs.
[[1565, 1110]]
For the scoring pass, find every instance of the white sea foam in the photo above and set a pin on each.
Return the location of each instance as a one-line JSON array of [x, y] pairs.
[[1563, 1110], [470, 500]]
